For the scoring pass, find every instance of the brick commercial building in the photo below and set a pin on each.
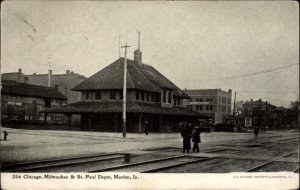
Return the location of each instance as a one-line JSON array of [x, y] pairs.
[[151, 98], [63, 82], [258, 113], [21, 103], [214, 103]]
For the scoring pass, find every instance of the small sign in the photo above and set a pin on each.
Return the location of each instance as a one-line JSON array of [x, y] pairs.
[[248, 122], [14, 103], [199, 103]]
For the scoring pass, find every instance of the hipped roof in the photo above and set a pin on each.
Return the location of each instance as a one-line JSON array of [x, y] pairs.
[[116, 107], [258, 103], [23, 89], [139, 76]]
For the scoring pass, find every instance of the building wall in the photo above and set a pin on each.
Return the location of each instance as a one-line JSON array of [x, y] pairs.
[[213, 102], [23, 108], [18, 77], [132, 95], [64, 82], [257, 113]]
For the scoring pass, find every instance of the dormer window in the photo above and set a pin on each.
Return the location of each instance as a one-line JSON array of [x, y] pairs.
[[98, 95], [89, 95], [164, 95], [120, 95], [112, 94], [169, 97], [142, 96]]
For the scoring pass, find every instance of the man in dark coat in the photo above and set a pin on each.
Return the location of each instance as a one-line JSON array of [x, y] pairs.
[[196, 139], [186, 135], [146, 127], [256, 131]]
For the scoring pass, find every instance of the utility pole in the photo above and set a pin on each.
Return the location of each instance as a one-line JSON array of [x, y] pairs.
[[119, 46], [49, 74], [234, 108], [124, 91]]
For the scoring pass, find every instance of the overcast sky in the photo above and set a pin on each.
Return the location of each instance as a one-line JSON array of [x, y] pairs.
[[194, 44]]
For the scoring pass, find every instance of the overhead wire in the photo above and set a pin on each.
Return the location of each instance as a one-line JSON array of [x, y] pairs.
[[259, 72]]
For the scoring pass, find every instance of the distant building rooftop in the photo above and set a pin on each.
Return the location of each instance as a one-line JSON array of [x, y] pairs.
[[22, 89], [258, 103], [204, 91]]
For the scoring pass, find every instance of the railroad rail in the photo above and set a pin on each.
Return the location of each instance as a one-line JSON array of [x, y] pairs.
[[158, 161], [296, 170], [176, 165], [136, 164], [256, 168], [45, 164]]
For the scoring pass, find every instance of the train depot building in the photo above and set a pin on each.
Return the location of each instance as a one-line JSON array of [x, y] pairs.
[[152, 100]]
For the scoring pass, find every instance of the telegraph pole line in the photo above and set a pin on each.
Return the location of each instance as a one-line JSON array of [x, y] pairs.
[[234, 108], [119, 46], [124, 91], [49, 72]]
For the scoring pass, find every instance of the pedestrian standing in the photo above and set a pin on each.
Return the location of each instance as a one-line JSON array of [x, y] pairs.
[[146, 127], [196, 139], [186, 135], [256, 131]]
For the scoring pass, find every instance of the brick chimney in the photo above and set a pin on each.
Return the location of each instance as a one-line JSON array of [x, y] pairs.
[[49, 77], [20, 79], [138, 53]]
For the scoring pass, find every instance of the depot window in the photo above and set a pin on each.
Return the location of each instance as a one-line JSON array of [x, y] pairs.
[[142, 96], [89, 95], [164, 95], [112, 95], [169, 97], [120, 95], [98, 95]]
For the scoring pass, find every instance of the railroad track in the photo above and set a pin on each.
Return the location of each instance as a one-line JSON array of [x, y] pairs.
[[106, 162], [155, 165], [296, 170], [259, 167], [157, 169], [144, 164], [122, 166], [55, 163]]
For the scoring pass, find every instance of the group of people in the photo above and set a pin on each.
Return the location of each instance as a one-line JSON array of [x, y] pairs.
[[189, 133]]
